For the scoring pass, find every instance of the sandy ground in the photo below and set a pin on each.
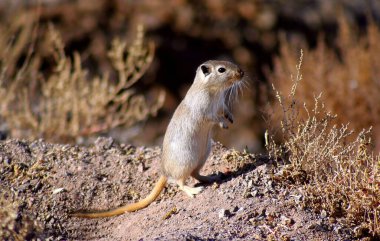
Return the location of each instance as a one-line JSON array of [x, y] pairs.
[[43, 182]]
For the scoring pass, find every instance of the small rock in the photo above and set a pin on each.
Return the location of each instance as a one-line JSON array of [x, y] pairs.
[[51, 221], [58, 190], [297, 198], [247, 194], [250, 183], [237, 209], [255, 178], [262, 211], [323, 214], [337, 229], [224, 213], [312, 226], [37, 187], [103, 143], [270, 218], [332, 220], [359, 231], [252, 221], [141, 167], [254, 193], [286, 221], [285, 238], [65, 148], [7, 161]]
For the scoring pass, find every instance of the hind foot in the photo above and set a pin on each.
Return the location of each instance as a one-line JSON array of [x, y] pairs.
[[190, 191]]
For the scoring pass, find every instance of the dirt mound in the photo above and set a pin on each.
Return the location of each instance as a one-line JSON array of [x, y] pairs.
[[41, 183]]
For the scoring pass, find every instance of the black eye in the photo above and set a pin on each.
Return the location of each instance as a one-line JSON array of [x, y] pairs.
[[221, 70]]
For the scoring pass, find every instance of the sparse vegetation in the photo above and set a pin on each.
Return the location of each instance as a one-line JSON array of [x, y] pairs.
[[322, 138], [348, 77], [66, 102], [336, 167]]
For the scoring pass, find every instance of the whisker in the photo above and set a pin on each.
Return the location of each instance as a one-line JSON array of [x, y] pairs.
[[237, 91], [242, 86], [245, 83], [232, 93], [229, 96]]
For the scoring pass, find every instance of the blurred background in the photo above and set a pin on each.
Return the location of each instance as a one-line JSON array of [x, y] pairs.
[[74, 70]]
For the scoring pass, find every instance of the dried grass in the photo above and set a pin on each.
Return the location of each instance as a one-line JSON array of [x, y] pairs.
[[348, 76], [337, 168], [66, 102]]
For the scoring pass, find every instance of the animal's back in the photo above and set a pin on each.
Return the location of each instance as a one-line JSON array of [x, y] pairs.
[[185, 142]]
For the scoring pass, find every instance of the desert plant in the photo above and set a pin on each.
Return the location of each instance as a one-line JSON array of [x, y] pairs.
[[348, 76], [66, 103], [336, 167]]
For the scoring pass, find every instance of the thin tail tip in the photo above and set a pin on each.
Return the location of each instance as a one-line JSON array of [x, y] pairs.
[[124, 209], [94, 215], [80, 215], [75, 214]]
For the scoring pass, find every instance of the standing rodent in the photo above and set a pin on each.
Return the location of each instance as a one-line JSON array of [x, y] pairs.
[[187, 141]]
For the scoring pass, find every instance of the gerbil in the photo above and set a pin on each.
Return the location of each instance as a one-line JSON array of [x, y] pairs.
[[187, 141]]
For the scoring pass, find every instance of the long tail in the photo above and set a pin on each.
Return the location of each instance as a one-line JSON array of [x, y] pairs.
[[127, 208]]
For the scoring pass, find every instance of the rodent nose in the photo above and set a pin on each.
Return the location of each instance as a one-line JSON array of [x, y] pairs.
[[241, 72]]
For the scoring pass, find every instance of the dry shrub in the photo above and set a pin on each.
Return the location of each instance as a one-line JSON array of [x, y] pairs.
[[197, 19], [339, 172], [239, 25], [66, 102], [348, 77]]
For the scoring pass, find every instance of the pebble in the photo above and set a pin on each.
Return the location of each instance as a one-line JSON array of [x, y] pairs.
[[7, 161], [297, 198], [103, 143], [224, 213], [323, 214], [332, 220], [312, 226], [58, 190], [141, 167], [254, 193], [286, 221]]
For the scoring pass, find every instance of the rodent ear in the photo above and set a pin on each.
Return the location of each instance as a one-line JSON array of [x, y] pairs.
[[206, 70]]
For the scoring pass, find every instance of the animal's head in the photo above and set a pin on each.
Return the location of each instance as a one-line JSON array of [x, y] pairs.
[[219, 75]]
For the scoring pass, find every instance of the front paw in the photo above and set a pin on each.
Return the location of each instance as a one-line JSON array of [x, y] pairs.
[[222, 122], [223, 125]]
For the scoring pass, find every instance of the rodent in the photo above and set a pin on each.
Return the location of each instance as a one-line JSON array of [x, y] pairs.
[[187, 140]]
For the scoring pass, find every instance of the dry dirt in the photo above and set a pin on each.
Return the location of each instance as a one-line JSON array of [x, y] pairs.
[[41, 183]]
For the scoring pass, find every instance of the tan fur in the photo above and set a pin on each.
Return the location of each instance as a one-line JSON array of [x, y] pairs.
[[187, 141]]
